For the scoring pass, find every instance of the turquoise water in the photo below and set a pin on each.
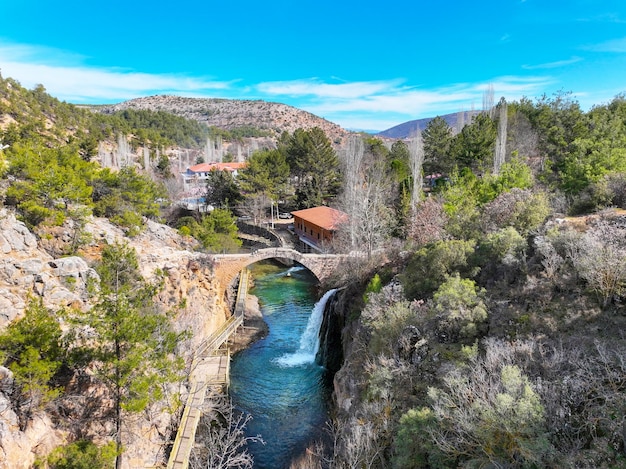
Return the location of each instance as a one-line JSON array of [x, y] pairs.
[[276, 380]]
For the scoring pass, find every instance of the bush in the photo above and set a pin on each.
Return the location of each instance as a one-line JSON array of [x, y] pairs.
[[33, 349], [505, 245], [460, 310], [601, 261], [373, 286], [520, 208], [486, 414], [414, 448], [217, 231], [82, 455], [429, 266]]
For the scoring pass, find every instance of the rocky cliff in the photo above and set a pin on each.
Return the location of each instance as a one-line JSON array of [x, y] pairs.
[[26, 269]]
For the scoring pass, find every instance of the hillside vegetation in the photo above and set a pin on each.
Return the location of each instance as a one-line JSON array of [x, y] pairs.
[[234, 115], [484, 317], [495, 337]]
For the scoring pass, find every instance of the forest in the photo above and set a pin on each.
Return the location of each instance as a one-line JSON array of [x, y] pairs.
[[484, 324]]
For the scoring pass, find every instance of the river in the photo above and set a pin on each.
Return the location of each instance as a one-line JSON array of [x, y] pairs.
[[276, 380]]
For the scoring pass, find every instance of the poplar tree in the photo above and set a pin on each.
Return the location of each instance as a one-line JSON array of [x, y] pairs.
[[416, 161], [500, 153]]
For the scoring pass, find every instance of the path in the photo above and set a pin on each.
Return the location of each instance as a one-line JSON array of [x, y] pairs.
[[210, 368]]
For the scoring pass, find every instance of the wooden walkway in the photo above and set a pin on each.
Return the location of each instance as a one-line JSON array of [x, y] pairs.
[[210, 368]]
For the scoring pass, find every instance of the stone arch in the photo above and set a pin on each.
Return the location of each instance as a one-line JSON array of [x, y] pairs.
[[228, 266]]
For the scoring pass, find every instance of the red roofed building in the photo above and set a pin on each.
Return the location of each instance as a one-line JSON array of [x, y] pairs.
[[316, 226], [198, 174]]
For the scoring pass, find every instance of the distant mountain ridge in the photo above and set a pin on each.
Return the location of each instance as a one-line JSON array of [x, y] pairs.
[[407, 129], [232, 113]]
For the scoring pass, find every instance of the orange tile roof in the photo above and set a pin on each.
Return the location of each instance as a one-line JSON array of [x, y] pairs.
[[324, 217], [206, 167]]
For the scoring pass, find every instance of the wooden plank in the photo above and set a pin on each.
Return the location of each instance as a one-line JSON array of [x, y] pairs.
[[208, 369]]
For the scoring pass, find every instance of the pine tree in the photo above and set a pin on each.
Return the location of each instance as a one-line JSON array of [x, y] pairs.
[[132, 344]]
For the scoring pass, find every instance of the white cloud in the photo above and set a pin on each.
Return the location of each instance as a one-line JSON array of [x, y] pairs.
[[315, 87], [390, 103], [78, 83], [614, 45], [377, 104], [556, 64]]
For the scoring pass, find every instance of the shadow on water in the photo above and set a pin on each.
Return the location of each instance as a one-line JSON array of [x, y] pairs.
[[276, 379]]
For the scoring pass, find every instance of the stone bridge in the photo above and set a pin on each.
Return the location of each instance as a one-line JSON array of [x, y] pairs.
[[228, 266]]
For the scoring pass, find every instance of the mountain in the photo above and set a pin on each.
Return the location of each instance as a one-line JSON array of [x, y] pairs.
[[231, 114], [406, 129]]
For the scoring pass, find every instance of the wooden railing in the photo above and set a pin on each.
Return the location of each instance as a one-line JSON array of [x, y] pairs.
[[210, 367]]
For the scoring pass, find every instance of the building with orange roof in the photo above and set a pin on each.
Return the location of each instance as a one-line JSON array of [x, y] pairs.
[[316, 227], [198, 174]]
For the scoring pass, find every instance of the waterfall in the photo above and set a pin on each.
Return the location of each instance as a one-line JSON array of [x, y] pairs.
[[310, 340]]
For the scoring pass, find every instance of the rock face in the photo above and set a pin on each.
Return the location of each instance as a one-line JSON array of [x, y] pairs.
[[190, 293], [27, 270]]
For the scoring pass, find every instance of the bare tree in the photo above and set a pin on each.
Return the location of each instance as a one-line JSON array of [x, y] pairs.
[[460, 121], [352, 163], [360, 439], [416, 161], [428, 221], [500, 153], [256, 205], [208, 151], [219, 149], [146, 159], [488, 100], [222, 438], [371, 217]]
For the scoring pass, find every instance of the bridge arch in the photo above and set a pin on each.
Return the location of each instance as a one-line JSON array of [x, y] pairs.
[[228, 266]]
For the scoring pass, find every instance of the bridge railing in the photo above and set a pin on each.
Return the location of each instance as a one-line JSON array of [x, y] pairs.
[[223, 333], [185, 436]]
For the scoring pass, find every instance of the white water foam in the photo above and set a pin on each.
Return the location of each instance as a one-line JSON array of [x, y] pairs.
[[286, 273], [310, 340]]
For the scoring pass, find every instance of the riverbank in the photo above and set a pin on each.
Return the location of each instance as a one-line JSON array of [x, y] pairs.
[[275, 379], [254, 326]]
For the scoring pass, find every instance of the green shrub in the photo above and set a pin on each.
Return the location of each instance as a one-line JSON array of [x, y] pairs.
[[82, 455], [460, 310], [374, 286], [429, 266]]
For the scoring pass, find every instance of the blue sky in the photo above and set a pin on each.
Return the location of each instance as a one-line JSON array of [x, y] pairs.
[[364, 65]]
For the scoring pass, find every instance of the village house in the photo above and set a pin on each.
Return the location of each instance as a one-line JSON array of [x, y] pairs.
[[198, 174], [316, 227], [194, 182]]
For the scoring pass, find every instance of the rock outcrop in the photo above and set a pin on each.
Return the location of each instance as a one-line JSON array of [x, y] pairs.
[[190, 294]]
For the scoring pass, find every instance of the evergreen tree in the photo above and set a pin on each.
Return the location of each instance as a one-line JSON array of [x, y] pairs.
[[315, 165], [221, 190], [32, 348], [437, 138], [267, 173], [131, 343], [474, 147]]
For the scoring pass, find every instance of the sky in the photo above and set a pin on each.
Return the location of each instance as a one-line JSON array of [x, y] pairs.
[[363, 65]]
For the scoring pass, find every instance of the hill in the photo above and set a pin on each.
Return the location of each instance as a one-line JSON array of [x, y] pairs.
[[232, 114], [405, 129]]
